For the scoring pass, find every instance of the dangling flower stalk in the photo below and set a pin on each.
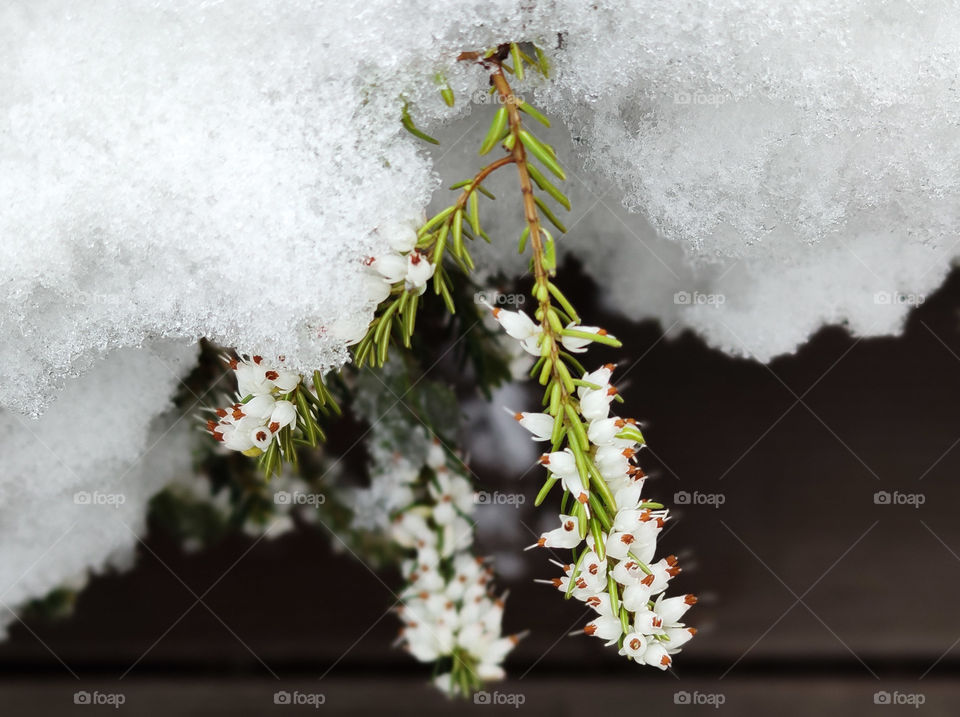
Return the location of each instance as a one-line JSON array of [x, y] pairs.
[[591, 453]]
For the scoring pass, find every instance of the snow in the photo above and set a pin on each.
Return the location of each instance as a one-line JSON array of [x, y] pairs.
[[75, 484], [173, 169]]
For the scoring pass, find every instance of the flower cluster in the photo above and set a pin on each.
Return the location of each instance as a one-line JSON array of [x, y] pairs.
[[449, 613], [250, 424], [405, 263], [611, 529]]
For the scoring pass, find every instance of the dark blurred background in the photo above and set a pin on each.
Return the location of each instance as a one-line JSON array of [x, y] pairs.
[[820, 532]]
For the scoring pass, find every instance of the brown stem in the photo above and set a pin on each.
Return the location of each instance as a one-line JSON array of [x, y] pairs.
[[531, 216]]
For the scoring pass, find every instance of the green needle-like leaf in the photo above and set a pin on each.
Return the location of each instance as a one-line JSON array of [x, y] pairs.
[[540, 151], [497, 127]]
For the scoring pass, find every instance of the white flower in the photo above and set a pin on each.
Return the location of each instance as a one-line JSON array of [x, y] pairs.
[[539, 424], [595, 405], [600, 378], [566, 536], [679, 636], [531, 344], [656, 655], [419, 270], [648, 622], [284, 414], [259, 407], [672, 609], [634, 645], [436, 456], [391, 267], [516, 323], [603, 432], [594, 571], [564, 466], [452, 493], [662, 571], [286, 381], [237, 437], [261, 437], [560, 463], [627, 572], [576, 344], [606, 627], [252, 379], [613, 461], [635, 597]]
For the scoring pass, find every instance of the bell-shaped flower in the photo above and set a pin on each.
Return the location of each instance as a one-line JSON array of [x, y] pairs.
[[647, 622], [566, 536], [452, 494], [656, 655], [285, 381], [561, 463], [629, 496], [252, 379], [261, 437], [637, 597], [411, 529], [606, 627], [619, 544], [672, 609], [259, 407], [613, 462], [595, 405], [604, 432], [662, 571], [634, 645], [531, 344], [539, 424], [578, 344], [594, 571], [679, 636], [391, 267], [436, 456], [457, 535], [516, 323], [419, 270], [599, 378], [628, 572], [284, 414]]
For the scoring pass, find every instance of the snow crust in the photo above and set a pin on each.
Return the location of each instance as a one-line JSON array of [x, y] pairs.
[[75, 483]]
